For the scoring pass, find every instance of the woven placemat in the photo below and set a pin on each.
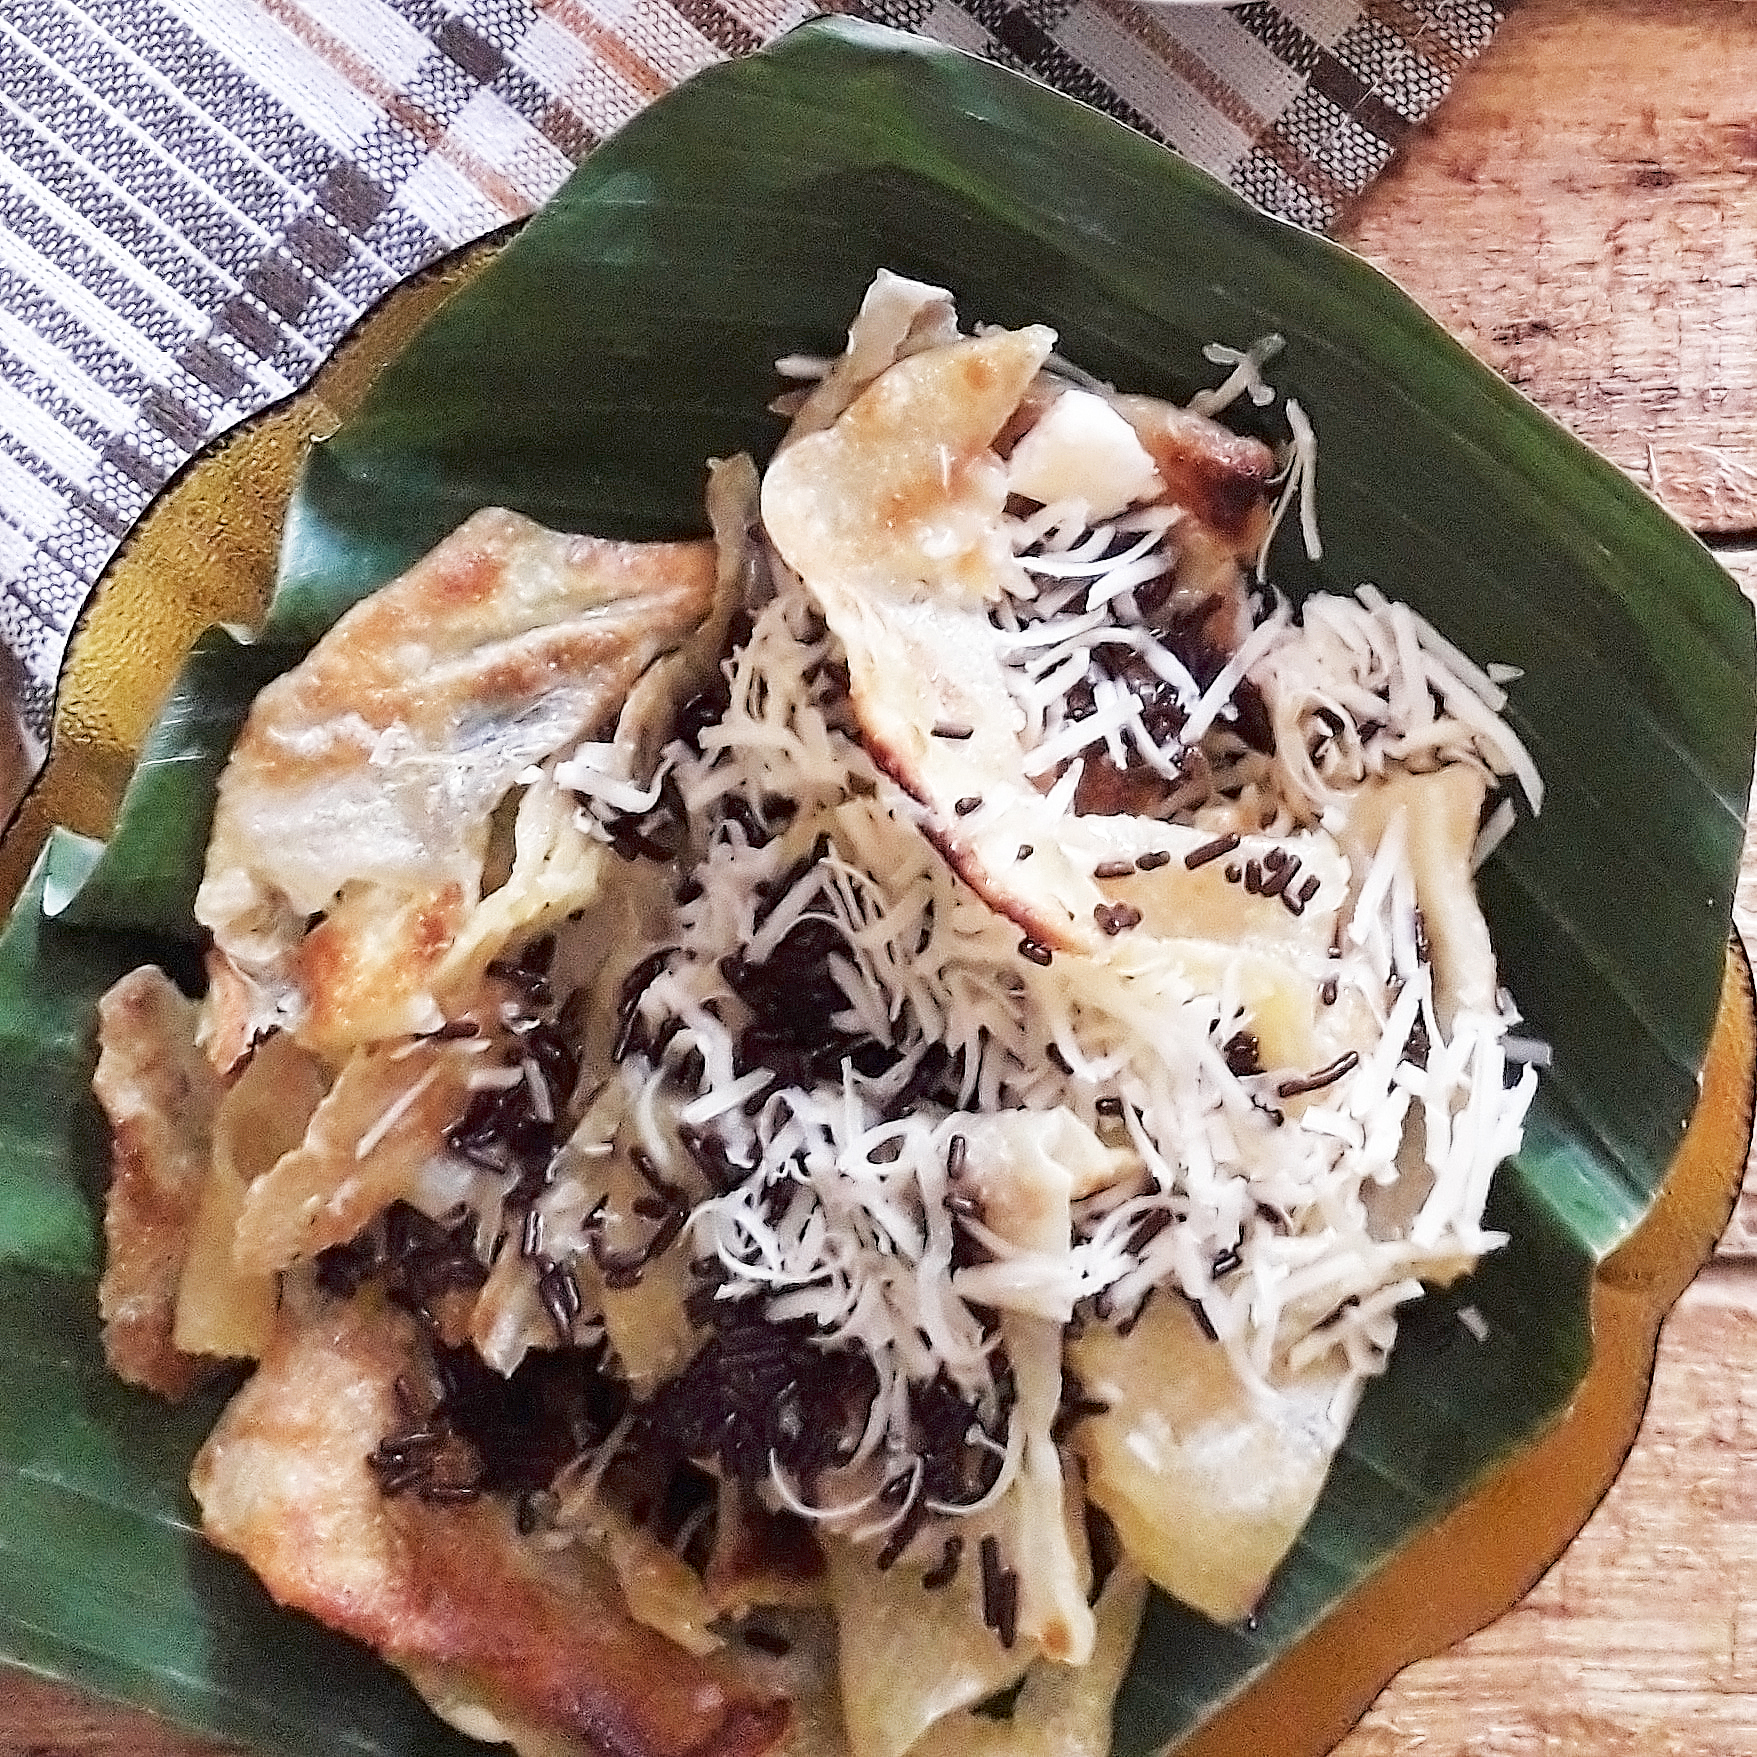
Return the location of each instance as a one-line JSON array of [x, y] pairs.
[[199, 197]]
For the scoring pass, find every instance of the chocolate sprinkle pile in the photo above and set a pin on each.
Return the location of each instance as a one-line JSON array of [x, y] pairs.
[[1105, 786], [417, 1260], [508, 1130], [758, 1389]]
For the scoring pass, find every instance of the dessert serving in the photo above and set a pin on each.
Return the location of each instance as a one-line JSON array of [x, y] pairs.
[[788, 1120]]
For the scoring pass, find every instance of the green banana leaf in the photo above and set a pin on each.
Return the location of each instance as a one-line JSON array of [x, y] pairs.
[[627, 335]]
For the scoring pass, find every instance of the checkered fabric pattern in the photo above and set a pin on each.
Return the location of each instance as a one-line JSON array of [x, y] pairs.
[[199, 197]]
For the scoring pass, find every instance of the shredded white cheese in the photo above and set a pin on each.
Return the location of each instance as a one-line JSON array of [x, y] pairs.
[[1293, 1203], [1257, 1208]]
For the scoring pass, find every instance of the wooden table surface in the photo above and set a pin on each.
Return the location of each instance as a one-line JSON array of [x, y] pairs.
[[1583, 215]]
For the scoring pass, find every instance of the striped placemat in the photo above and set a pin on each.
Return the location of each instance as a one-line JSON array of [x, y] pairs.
[[199, 197]]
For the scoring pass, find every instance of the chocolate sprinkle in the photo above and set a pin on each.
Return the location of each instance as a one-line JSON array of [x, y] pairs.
[[559, 1291], [1007, 1610], [450, 1494], [1279, 875], [1243, 1054], [1220, 847], [634, 985], [1115, 918], [1147, 1229], [710, 1155], [989, 1554], [945, 1570], [1325, 1076], [891, 1551], [1036, 951], [531, 1234]]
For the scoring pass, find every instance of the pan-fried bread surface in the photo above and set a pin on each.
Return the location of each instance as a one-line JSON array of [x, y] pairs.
[[354, 818], [442, 1592], [160, 1095]]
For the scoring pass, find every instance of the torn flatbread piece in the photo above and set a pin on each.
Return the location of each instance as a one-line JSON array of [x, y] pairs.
[[911, 1658], [483, 1624], [160, 1095], [1062, 1710], [223, 1309], [365, 1148], [892, 517], [903, 494], [354, 816], [1207, 1479]]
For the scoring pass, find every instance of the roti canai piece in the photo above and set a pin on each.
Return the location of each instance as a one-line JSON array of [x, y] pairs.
[[396, 742], [790, 1119], [160, 1096]]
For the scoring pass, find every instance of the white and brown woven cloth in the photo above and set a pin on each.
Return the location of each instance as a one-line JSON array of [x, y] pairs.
[[199, 197]]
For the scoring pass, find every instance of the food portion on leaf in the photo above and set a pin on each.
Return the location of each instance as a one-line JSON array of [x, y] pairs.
[[514, 1639], [788, 1119], [355, 817]]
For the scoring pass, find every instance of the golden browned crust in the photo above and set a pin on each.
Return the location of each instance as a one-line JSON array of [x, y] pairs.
[[449, 1594], [1220, 476], [353, 820], [160, 1096]]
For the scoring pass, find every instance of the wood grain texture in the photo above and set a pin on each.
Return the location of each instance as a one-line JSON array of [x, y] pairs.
[[1583, 214], [1641, 1638]]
